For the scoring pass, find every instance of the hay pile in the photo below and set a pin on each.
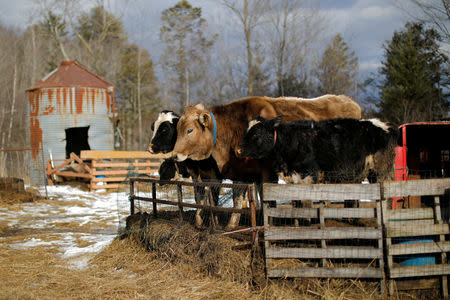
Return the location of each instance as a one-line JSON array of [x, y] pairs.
[[209, 254], [9, 196]]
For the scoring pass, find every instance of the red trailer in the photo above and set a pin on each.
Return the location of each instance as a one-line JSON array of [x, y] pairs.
[[423, 151]]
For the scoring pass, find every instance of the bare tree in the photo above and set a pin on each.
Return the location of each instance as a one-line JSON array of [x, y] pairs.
[[250, 15], [436, 12], [293, 29]]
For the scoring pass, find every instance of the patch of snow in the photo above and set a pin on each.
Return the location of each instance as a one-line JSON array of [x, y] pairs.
[[64, 221]]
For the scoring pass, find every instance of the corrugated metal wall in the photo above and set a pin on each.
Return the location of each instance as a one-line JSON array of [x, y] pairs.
[[52, 110]]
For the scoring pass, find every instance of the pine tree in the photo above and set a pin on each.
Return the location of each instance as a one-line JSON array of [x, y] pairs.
[[338, 69], [413, 76]]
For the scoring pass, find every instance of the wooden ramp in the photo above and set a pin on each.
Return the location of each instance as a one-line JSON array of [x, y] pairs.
[[327, 239]]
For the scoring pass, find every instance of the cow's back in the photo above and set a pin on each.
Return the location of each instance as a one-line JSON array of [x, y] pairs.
[[317, 109]]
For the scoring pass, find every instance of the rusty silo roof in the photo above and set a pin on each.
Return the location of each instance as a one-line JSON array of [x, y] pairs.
[[71, 74]]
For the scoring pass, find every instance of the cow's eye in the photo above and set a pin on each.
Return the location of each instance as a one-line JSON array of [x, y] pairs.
[[189, 131]]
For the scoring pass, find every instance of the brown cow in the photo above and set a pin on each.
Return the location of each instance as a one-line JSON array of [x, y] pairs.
[[218, 131]]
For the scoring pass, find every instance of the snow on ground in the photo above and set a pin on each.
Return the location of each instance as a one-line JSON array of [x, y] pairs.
[[77, 223]]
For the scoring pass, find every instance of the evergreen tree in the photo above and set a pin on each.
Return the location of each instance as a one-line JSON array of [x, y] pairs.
[[54, 29], [186, 51], [102, 35], [414, 77], [338, 69]]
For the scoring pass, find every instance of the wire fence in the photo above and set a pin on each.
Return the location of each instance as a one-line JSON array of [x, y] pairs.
[[212, 205], [16, 162]]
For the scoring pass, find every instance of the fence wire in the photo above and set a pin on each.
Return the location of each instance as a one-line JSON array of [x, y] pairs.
[[191, 202]]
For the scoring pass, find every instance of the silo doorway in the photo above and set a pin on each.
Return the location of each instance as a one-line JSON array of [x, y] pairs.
[[77, 140]]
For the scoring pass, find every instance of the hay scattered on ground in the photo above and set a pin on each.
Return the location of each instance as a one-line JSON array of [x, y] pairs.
[[10, 197], [210, 254]]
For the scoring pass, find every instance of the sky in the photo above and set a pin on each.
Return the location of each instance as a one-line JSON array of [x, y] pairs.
[[365, 24]]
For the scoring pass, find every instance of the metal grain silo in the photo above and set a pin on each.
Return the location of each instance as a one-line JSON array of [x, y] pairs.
[[70, 109]]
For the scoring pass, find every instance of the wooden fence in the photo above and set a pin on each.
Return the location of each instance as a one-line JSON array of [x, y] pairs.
[[368, 231], [105, 169], [331, 245], [416, 238]]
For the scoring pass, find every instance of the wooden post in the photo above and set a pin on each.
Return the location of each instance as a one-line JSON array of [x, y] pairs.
[[390, 260], [131, 197], [155, 212], [211, 204], [93, 169], [322, 226], [380, 246], [252, 212], [438, 220], [180, 200]]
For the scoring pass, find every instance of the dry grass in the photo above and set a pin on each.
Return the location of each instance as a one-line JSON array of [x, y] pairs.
[[164, 260]]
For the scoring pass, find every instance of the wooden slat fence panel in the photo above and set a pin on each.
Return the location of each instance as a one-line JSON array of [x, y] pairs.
[[416, 237], [111, 168], [318, 192], [329, 238]]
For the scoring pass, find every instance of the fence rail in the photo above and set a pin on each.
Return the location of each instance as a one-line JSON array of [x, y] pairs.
[[180, 201]]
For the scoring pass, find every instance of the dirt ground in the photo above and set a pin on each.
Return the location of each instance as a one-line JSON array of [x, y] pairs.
[[65, 247]]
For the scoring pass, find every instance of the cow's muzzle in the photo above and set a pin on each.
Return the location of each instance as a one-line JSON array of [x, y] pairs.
[[150, 149], [181, 157]]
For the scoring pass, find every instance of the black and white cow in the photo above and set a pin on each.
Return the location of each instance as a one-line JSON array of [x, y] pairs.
[[336, 147], [163, 141]]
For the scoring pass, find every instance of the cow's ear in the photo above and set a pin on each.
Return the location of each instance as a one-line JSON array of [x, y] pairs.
[[200, 106], [153, 126], [204, 119], [276, 122]]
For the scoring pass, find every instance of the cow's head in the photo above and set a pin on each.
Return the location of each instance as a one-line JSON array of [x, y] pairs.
[[259, 138], [195, 134], [164, 132]]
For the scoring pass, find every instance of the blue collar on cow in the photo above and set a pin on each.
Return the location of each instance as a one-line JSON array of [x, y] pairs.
[[214, 128]]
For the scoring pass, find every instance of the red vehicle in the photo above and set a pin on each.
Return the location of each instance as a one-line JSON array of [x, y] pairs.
[[423, 151]]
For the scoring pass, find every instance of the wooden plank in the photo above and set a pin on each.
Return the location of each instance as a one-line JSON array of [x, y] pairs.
[[300, 233], [416, 271], [335, 192], [409, 214], [417, 284], [394, 230], [72, 174], [329, 252], [420, 187], [55, 169], [419, 248], [325, 272], [112, 179], [91, 154], [118, 172], [79, 161], [409, 223], [105, 186], [293, 212], [125, 164]]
